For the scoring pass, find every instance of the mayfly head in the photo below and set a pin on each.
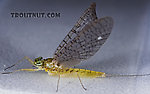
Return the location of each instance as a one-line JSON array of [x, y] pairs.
[[39, 61]]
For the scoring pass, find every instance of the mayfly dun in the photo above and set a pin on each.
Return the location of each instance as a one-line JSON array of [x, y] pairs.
[[82, 42]]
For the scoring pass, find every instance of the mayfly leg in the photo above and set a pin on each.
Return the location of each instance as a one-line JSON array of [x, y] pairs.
[[27, 58], [58, 82], [20, 70], [81, 82]]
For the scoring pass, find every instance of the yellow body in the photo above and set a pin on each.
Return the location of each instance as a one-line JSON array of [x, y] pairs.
[[73, 72], [55, 69]]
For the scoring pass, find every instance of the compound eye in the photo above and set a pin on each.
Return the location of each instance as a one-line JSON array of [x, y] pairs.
[[40, 58], [38, 63], [36, 60]]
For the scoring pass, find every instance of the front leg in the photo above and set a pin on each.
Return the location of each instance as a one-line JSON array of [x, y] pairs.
[[21, 70], [27, 58]]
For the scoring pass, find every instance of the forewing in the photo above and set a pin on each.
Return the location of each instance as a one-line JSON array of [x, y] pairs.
[[86, 42], [84, 39], [89, 15]]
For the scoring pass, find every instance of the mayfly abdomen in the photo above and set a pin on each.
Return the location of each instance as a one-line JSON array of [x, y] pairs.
[[73, 72]]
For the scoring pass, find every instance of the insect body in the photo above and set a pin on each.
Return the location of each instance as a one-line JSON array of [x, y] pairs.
[[55, 69], [82, 42]]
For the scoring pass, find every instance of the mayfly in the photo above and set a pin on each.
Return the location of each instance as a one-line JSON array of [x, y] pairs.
[[82, 42]]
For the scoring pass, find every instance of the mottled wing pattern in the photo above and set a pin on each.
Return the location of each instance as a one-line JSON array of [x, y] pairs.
[[89, 15], [84, 41]]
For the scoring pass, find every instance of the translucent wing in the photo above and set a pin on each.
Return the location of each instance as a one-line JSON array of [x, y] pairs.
[[84, 40], [89, 15]]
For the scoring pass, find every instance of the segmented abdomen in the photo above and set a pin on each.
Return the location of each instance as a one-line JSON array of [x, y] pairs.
[[72, 72]]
